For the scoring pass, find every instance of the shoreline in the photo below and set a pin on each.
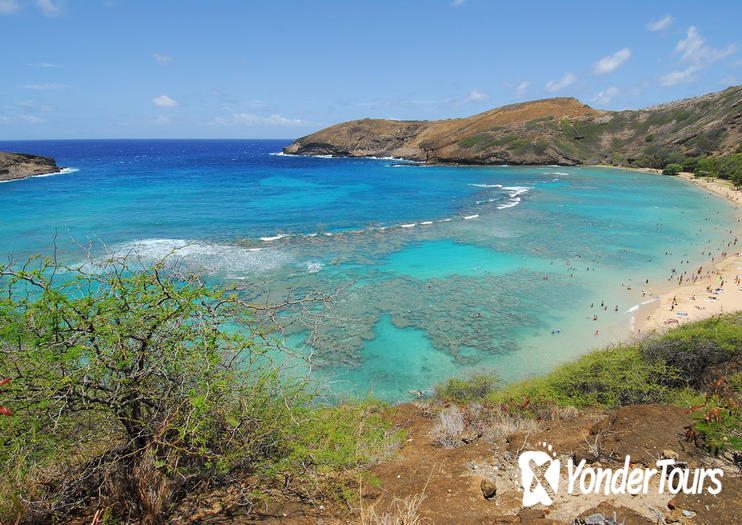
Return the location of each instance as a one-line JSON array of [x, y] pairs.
[[19, 166], [710, 290], [60, 171]]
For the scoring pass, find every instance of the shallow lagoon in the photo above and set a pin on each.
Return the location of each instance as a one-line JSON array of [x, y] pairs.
[[443, 267]]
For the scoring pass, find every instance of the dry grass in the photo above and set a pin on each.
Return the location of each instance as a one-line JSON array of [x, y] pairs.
[[507, 426], [457, 425], [154, 490], [403, 511], [450, 427]]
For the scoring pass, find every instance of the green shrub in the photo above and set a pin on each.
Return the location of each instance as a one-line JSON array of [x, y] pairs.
[[136, 382], [351, 435], [690, 164], [730, 168], [133, 388], [718, 422], [476, 387], [469, 142], [696, 350], [612, 377], [672, 169]]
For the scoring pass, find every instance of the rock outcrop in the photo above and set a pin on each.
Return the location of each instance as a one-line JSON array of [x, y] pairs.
[[21, 165], [549, 131]]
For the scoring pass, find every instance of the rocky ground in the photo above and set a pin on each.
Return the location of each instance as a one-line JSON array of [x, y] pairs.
[[478, 479], [21, 165]]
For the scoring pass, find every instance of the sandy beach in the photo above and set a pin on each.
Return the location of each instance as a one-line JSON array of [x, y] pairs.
[[699, 293]]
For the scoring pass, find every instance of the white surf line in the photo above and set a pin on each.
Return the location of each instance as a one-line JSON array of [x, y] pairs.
[[63, 171], [274, 237], [513, 201]]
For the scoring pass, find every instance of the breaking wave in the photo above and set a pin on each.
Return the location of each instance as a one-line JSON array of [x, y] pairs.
[[63, 171], [233, 262]]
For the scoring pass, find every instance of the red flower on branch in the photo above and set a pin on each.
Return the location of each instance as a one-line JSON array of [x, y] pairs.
[[5, 411]]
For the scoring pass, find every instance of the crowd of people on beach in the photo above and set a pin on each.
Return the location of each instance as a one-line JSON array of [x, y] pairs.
[[682, 278]]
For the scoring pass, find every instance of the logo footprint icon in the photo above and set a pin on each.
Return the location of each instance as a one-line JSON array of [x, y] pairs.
[[537, 469]]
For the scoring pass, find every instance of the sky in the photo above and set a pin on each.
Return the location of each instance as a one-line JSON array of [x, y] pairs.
[[85, 69]]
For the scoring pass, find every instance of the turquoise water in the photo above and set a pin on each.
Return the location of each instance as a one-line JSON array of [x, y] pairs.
[[440, 270]]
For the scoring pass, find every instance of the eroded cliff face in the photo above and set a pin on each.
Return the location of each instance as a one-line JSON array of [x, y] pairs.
[[549, 131], [363, 138], [21, 165]]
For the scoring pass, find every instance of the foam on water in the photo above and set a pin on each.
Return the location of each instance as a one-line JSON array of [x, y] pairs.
[[314, 266], [513, 202], [215, 259], [293, 155], [275, 237], [63, 171]]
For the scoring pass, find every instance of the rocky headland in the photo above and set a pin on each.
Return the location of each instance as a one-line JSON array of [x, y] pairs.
[[550, 131], [22, 165]]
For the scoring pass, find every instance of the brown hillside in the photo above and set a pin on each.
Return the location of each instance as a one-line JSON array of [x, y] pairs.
[[21, 165], [548, 131]]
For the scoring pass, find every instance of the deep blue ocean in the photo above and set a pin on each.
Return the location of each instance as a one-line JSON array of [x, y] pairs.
[[443, 270]]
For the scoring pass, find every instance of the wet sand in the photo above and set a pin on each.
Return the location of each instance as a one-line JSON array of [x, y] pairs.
[[716, 289]]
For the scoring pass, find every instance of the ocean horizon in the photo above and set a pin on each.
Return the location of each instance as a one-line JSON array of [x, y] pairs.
[[443, 270]]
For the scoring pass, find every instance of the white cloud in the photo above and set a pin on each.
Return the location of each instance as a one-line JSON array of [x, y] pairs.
[[30, 105], [521, 89], [697, 55], [30, 119], [8, 6], [611, 62], [659, 25], [477, 96], [162, 120], [48, 7], [605, 96], [690, 46], [44, 65], [163, 101], [162, 59], [251, 119], [46, 87], [679, 77], [567, 80], [695, 51], [457, 3], [272, 120]]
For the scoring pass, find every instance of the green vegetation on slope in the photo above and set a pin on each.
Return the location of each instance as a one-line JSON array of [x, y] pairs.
[[728, 168], [696, 366], [551, 131], [651, 138], [133, 388]]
